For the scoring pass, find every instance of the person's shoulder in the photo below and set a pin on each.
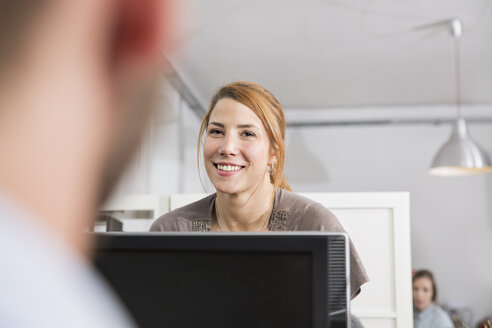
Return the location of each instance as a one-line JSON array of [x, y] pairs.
[[442, 317], [290, 201], [309, 214], [196, 210]]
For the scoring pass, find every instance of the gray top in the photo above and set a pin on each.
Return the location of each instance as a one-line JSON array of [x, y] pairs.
[[433, 317], [291, 212]]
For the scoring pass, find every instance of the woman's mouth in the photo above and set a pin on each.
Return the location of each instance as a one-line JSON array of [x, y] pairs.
[[227, 169]]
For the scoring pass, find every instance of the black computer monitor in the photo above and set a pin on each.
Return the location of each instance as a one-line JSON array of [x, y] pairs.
[[231, 280]]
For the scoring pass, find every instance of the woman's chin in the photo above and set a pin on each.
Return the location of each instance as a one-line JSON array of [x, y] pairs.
[[225, 189], [422, 308]]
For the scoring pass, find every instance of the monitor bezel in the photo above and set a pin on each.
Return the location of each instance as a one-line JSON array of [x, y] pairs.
[[315, 242]]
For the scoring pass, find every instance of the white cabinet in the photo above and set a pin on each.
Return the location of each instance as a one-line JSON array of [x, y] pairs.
[[136, 212], [379, 226]]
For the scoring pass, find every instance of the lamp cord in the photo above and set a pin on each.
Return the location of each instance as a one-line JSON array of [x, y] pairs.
[[458, 76]]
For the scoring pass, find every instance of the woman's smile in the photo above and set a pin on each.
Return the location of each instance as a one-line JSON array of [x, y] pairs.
[[227, 169]]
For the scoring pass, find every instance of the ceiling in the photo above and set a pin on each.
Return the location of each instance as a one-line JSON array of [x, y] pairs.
[[337, 53]]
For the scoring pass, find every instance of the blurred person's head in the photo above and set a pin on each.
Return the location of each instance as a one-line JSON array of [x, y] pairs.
[[243, 135], [76, 84], [424, 289]]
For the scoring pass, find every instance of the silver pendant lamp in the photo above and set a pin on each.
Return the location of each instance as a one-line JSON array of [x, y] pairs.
[[460, 155]]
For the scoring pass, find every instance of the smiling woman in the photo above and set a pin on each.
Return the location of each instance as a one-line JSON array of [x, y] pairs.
[[243, 138], [236, 149]]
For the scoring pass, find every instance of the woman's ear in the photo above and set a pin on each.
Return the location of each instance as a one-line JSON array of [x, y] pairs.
[[273, 155]]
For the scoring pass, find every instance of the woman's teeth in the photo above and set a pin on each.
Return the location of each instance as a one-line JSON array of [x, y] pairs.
[[228, 167]]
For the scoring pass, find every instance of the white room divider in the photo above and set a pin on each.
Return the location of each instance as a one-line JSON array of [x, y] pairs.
[[379, 226]]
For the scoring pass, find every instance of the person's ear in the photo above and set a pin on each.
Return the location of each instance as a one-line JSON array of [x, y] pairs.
[[141, 32], [273, 155], [273, 160]]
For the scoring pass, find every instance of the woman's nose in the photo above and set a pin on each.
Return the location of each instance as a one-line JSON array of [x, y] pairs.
[[228, 146]]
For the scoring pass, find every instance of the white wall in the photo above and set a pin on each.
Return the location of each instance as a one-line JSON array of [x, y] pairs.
[[451, 217], [166, 160]]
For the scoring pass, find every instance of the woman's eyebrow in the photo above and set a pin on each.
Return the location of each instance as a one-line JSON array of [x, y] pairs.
[[241, 126], [216, 123], [248, 126]]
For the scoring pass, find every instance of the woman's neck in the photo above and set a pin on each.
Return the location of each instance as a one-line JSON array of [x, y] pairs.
[[425, 309], [247, 211]]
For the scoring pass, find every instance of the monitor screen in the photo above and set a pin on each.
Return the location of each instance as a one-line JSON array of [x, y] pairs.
[[225, 280]]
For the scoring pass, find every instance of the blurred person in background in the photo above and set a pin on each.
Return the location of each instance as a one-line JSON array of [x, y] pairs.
[[427, 313], [75, 82]]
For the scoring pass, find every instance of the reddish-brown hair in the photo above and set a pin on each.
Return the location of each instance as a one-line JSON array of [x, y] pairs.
[[268, 110]]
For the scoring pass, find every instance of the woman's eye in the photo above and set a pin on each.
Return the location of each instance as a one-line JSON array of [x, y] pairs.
[[248, 134], [215, 131]]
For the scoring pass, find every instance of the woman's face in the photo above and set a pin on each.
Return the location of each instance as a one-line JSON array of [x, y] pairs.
[[236, 148], [422, 293]]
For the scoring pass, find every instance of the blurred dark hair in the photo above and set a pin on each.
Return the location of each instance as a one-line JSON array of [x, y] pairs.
[[426, 274], [16, 19]]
